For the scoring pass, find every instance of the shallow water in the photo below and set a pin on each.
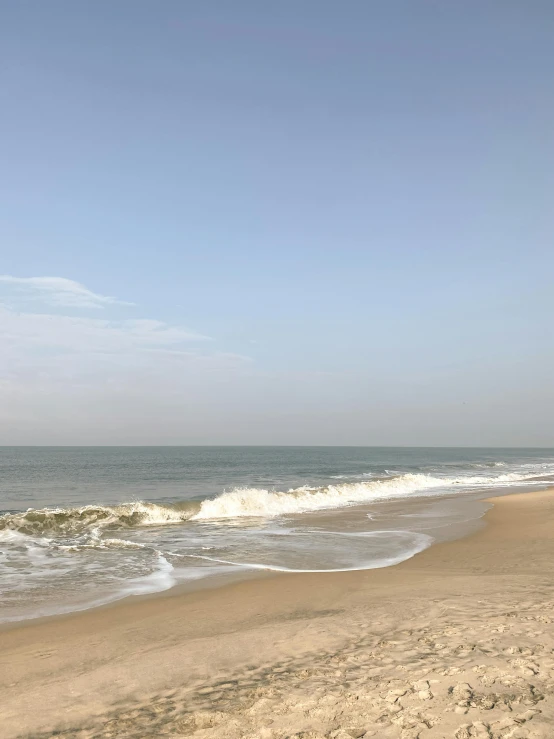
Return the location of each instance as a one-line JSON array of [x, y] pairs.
[[83, 526]]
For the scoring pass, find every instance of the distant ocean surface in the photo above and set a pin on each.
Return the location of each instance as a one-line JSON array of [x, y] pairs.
[[84, 526]]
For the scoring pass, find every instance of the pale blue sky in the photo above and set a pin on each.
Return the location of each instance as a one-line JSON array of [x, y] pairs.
[[333, 220]]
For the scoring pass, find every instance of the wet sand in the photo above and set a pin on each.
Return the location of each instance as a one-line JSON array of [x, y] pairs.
[[456, 642]]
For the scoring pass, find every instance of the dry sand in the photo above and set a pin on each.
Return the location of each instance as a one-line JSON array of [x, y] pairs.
[[457, 642]]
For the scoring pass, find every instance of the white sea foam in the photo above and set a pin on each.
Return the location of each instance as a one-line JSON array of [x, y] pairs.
[[412, 543], [243, 502], [161, 579], [95, 542]]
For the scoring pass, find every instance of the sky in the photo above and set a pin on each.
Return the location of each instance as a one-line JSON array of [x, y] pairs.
[[304, 222]]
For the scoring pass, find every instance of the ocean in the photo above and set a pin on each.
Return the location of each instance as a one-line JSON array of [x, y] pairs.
[[83, 526]]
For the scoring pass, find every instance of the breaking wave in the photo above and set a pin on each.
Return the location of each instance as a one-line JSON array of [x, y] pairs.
[[71, 521], [243, 502], [237, 503]]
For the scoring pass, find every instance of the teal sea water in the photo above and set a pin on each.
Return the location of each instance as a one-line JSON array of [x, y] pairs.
[[83, 526]]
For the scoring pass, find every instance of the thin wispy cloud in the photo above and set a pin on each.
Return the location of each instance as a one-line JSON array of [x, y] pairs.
[[60, 345], [31, 335], [63, 363], [78, 334], [57, 291]]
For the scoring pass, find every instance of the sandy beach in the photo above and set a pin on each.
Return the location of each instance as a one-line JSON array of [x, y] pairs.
[[456, 642]]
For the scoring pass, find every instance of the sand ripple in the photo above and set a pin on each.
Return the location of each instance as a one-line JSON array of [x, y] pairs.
[[484, 671]]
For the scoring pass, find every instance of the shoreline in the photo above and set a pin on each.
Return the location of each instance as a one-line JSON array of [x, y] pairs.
[[69, 670], [457, 530], [444, 532]]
